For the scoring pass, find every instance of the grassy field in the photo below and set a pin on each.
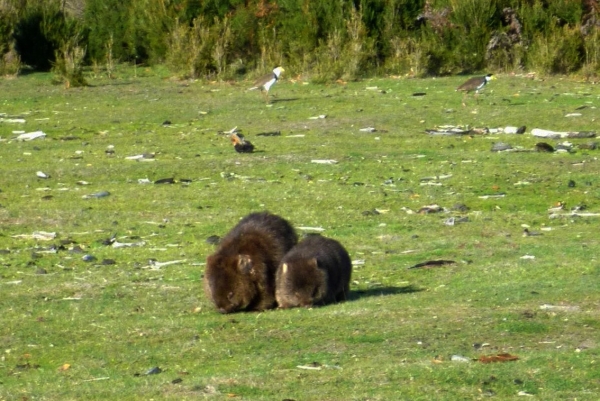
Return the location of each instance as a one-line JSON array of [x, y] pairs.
[[81, 319]]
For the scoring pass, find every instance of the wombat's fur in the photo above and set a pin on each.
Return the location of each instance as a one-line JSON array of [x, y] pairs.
[[240, 275], [315, 272]]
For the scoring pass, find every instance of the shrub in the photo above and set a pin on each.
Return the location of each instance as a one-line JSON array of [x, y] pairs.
[[560, 52], [271, 53], [68, 67], [327, 64], [438, 51], [474, 19], [395, 32], [222, 34], [107, 19], [591, 66], [326, 39], [565, 12], [189, 51], [359, 46], [505, 56], [10, 62], [348, 53], [297, 30], [406, 57], [33, 46], [507, 47]]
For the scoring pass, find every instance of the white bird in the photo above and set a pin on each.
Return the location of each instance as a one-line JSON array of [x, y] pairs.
[[265, 82]]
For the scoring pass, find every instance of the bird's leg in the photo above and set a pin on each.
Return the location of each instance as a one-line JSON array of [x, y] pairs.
[[266, 96], [477, 98], [463, 99]]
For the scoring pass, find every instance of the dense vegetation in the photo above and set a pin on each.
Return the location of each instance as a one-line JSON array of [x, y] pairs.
[[323, 40]]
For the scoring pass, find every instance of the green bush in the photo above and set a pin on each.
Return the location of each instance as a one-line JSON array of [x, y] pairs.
[[10, 62], [140, 28], [7, 23], [297, 30], [107, 19], [68, 67], [591, 65], [474, 20], [507, 56], [359, 47], [323, 40], [396, 30], [189, 49], [33, 46], [406, 56], [565, 12], [560, 52], [438, 49]]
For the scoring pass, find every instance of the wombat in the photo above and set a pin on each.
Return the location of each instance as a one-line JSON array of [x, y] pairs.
[[240, 275], [315, 272]]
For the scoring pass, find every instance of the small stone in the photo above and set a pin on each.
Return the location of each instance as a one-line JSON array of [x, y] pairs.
[[89, 258], [213, 240], [500, 146], [154, 371]]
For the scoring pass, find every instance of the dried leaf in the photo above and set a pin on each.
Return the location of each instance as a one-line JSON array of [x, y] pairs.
[[64, 367]]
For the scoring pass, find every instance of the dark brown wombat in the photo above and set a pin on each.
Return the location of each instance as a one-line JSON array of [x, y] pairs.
[[315, 272], [240, 275]]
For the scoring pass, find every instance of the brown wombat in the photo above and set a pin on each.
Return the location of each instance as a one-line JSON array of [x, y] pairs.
[[240, 275], [315, 272]]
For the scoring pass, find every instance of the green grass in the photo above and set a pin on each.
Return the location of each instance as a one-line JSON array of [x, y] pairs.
[[394, 339]]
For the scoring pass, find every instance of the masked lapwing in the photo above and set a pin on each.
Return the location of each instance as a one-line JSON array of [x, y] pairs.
[[474, 84], [265, 82]]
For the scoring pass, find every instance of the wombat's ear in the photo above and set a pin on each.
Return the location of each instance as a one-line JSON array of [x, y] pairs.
[[244, 263]]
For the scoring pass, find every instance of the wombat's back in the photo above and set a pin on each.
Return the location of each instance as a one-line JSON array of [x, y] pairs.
[[269, 225], [316, 271], [240, 274]]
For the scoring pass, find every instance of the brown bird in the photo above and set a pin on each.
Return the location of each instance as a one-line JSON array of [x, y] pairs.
[[240, 144], [475, 84], [265, 82]]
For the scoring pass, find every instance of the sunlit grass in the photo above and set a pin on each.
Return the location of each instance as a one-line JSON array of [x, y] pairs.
[[395, 337]]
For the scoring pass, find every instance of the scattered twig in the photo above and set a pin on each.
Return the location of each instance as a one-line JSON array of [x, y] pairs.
[[432, 263], [324, 161], [319, 229], [96, 379], [155, 265]]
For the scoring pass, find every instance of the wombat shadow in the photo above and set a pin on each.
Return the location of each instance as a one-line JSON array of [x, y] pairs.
[[380, 291]]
